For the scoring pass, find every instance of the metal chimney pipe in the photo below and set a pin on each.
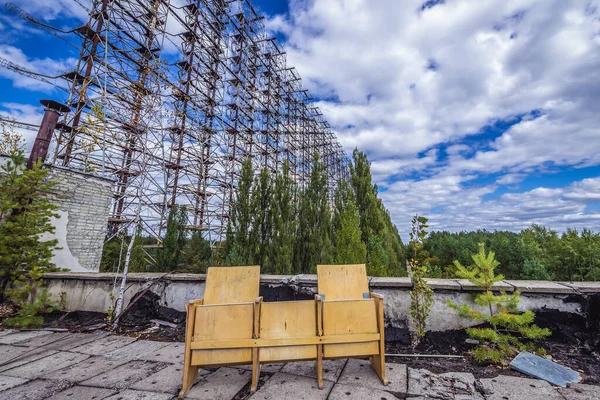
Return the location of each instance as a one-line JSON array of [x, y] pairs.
[[52, 111]]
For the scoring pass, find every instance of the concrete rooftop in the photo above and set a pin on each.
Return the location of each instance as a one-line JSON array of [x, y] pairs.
[[45, 365]]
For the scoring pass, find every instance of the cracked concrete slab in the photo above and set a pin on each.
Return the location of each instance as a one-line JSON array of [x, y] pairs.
[[103, 345], [42, 340], [139, 395], [22, 337], [74, 340], [167, 380], [124, 375], [581, 391], [450, 385], [171, 353], [224, 383], [35, 390], [353, 392], [46, 365], [7, 382], [509, 387], [332, 369], [136, 350], [83, 393], [8, 353], [27, 357], [360, 372], [288, 386], [86, 369], [268, 368]]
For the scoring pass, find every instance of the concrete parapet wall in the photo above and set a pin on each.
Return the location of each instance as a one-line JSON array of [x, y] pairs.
[[92, 292]]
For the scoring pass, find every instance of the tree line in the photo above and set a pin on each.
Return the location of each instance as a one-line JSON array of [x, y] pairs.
[[284, 228]]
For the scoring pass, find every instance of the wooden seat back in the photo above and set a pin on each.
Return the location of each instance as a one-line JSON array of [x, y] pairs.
[[342, 282], [226, 285]]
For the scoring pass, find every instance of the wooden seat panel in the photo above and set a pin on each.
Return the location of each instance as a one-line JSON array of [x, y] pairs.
[[225, 285], [342, 282]]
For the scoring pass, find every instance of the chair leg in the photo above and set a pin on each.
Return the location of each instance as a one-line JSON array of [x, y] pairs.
[[190, 373], [319, 366], [255, 370], [378, 364]]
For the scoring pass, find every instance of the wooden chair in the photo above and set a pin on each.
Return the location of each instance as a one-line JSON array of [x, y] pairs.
[[352, 318], [226, 313]]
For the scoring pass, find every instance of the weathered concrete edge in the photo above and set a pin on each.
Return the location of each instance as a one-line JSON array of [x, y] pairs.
[[375, 282]]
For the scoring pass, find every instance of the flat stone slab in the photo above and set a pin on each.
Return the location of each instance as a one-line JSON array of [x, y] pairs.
[[268, 368], [136, 350], [167, 380], [545, 369], [287, 386], [498, 286], [104, 345], [139, 395], [124, 375], [86, 369], [222, 384], [22, 336], [171, 353], [442, 284], [42, 340], [8, 353], [4, 332], [360, 372], [27, 357], [332, 369], [35, 390], [73, 340], [510, 387], [450, 385], [83, 393], [46, 365], [7, 382], [579, 391], [353, 392], [540, 287]]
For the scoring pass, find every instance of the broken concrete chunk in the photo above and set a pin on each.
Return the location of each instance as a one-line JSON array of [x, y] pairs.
[[542, 368]]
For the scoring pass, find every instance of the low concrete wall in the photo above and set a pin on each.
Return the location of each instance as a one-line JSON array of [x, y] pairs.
[[92, 292]]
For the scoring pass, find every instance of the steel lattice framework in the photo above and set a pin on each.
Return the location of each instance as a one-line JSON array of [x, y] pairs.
[[169, 97]]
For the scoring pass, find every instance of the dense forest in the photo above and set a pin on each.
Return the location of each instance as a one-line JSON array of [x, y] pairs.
[[287, 229], [283, 228]]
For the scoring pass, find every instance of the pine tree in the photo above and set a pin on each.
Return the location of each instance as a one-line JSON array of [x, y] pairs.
[[239, 225], [169, 256], [421, 297], [347, 243], [511, 330], [262, 221], [284, 221], [198, 254]]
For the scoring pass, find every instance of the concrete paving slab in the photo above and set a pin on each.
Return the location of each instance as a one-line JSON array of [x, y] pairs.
[[442, 284], [450, 385], [7, 382], [171, 353], [509, 387], [124, 375], [580, 391], [583, 287], [43, 366], [135, 350], [85, 370], [22, 336], [25, 358], [103, 345], [8, 352], [287, 386], [167, 380], [222, 384], [353, 392], [4, 332], [332, 369], [35, 390], [83, 393], [74, 340], [268, 368], [42, 340], [139, 395], [360, 372], [498, 286]]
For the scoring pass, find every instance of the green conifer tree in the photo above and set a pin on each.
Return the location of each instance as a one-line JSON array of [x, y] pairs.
[[348, 246], [421, 297], [262, 221], [239, 249], [284, 221], [511, 330], [169, 255]]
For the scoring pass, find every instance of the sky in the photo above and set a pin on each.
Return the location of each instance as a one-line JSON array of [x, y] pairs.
[[476, 114]]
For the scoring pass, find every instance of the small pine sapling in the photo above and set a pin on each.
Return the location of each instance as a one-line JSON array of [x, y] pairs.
[[511, 330], [421, 297]]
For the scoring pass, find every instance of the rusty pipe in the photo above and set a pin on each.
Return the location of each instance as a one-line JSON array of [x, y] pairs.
[[52, 111]]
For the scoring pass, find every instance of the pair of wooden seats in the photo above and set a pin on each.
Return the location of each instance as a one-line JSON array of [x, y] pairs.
[[231, 325]]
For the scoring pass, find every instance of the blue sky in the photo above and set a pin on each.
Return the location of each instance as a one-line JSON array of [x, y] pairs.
[[479, 115]]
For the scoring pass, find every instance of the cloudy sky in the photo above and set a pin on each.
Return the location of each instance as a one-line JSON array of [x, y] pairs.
[[479, 114]]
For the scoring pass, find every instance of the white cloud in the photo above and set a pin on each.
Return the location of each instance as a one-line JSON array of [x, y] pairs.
[[396, 82]]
